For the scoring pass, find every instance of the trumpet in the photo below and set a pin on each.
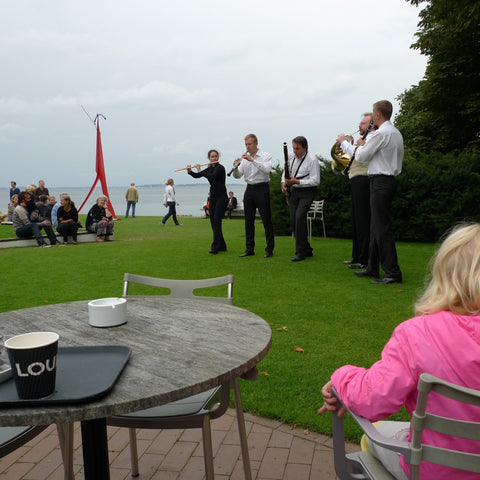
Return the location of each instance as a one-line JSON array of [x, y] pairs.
[[235, 166], [201, 165]]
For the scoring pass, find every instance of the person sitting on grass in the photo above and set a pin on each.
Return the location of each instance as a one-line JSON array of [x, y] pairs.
[[442, 340], [24, 228], [100, 221]]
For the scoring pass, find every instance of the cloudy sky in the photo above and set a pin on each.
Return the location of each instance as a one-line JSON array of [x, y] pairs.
[[176, 78]]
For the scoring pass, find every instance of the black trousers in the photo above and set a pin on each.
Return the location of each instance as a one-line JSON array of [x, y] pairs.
[[299, 203], [382, 242], [258, 196], [360, 217], [218, 205]]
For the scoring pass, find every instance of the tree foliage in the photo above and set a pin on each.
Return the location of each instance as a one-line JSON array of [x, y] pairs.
[[442, 112]]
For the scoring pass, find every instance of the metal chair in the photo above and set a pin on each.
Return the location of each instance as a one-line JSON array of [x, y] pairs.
[[315, 213], [12, 438], [195, 411], [363, 465]]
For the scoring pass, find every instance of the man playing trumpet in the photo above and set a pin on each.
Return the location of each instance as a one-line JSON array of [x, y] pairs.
[[360, 199]]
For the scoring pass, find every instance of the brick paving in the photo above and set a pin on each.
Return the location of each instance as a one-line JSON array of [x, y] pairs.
[[277, 452]]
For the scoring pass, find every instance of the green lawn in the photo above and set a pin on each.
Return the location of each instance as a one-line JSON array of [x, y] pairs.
[[317, 305]]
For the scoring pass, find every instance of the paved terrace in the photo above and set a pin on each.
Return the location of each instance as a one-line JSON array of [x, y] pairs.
[[277, 452]]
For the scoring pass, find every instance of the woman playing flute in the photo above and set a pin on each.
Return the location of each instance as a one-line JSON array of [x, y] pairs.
[[215, 174]]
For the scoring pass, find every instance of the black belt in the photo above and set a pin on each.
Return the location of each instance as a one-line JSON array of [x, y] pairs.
[[263, 184]]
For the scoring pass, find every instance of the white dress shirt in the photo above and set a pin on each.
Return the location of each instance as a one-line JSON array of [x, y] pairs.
[[257, 171], [308, 171], [383, 151]]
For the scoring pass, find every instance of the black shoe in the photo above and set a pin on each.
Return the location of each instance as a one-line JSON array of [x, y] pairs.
[[357, 266], [365, 273], [309, 254], [213, 251], [246, 253], [268, 254], [387, 280], [348, 262], [298, 258]]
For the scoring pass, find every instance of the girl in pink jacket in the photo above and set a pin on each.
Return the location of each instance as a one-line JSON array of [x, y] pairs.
[[443, 340]]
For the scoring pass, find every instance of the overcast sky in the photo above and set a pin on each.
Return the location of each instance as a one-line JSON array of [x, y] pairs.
[[176, 78]]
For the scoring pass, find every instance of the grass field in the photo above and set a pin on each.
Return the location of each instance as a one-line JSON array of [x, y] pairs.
[[317, 305]]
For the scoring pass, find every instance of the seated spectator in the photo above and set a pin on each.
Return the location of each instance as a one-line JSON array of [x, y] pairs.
[[42, 205], [67, 217], [31, 206], [443, 340], [51, 203], [206, 207], [11, 206], [56, 206], [232, 204], [100, 221], [24, 228]]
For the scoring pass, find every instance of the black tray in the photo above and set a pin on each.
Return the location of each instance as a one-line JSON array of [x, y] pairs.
[[83, 374]]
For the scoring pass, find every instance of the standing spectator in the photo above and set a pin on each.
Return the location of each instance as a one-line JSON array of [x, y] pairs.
[[131, 196], [232, 204], [255, 166], [14, 190], [171, 202], [24, 228], [383, 152], [41, 190], [302, 185]]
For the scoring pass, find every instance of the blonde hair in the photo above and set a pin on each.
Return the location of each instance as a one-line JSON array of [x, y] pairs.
[[455, 283]]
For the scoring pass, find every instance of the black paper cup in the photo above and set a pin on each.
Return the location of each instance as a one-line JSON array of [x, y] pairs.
[[33, 357]]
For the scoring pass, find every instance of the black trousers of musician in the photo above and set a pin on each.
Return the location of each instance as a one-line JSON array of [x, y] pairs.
[[300, 201], [382, 241], [360, 217], [258, 196], [218, 205]]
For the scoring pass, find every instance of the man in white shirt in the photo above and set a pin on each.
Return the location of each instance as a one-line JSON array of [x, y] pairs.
[[384, 155], [302, 185], [255, 166]]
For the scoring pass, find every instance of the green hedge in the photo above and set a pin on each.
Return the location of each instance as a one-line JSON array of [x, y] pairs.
[[434, 192]]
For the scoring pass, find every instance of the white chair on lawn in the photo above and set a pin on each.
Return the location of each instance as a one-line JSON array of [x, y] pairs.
[[315, 213], [363, 465], [195, 411]]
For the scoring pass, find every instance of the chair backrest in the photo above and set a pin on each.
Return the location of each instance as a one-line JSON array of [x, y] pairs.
[[449, 426], [316, 209], [183, 288]]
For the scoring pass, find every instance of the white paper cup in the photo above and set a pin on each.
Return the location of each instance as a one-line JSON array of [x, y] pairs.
[[33, 357]]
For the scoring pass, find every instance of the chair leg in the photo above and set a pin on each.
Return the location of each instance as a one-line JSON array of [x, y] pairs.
[[65, 439], [241, 430], [207, 448], [133, 451], [309, 227]]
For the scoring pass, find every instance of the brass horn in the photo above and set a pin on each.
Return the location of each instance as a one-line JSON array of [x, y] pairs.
[[339, 159]]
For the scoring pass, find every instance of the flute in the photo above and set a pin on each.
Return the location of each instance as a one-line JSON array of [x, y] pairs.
[[201, 165], [235, 166]]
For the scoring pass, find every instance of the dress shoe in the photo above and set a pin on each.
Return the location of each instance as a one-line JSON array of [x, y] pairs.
[[348, 262], [365, 273], [357, 266], [247, 254], [298, 258], [308, 254], [213, 251], [387, 280], [268, 255]]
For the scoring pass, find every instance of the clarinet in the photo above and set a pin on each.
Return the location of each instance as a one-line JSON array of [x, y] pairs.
[[369, 129], [234, 167], [287, 169]]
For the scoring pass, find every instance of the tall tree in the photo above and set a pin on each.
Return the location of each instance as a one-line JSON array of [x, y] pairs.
[[442, 112]]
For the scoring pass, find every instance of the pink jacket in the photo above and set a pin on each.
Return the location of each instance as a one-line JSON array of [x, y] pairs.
[[442, 344]]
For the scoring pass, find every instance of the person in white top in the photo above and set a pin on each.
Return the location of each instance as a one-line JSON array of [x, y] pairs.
[[304, 171], [383, 152], [255, 166], [170, 202]]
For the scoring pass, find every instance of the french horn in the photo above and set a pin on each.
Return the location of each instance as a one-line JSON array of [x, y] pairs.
[[339, 159]]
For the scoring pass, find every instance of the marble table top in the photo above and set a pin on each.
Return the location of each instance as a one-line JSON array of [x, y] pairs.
[[179, 347]]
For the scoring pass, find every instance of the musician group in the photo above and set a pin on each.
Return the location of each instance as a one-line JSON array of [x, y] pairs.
[[375, 161]]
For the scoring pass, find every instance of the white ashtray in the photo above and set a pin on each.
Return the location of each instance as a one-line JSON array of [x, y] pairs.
[[107, 312]]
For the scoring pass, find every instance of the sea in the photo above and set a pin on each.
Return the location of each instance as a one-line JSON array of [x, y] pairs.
[[191, 198]]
